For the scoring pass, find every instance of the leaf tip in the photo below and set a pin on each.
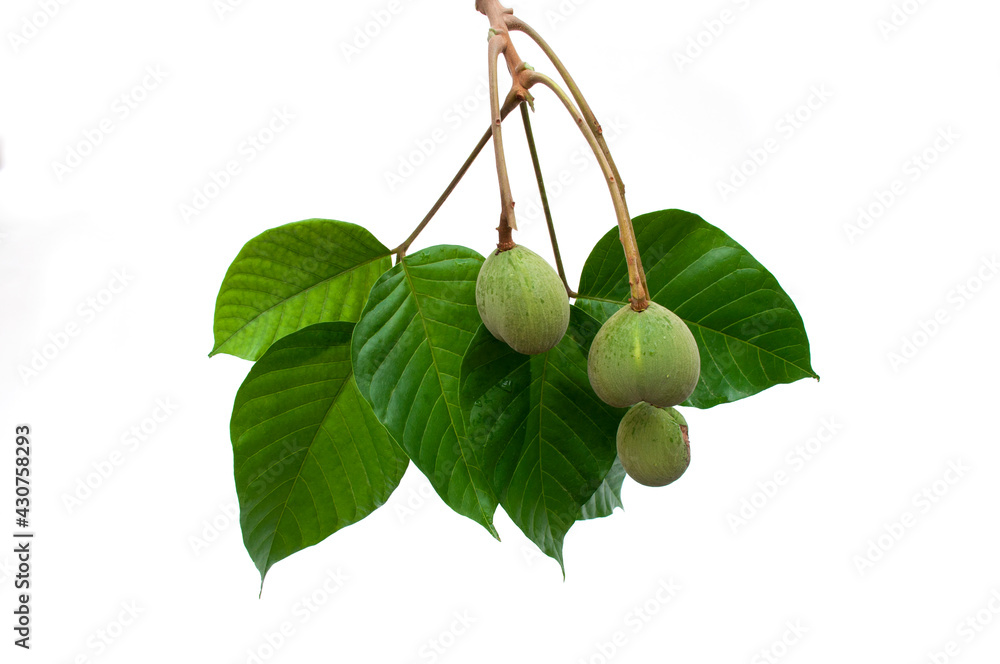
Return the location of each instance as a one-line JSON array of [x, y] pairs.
[[218, 348], [263, 573]]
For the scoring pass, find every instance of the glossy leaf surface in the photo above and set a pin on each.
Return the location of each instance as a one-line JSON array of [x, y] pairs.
[[310, 456]]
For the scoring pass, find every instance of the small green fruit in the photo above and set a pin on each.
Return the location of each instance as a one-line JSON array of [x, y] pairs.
[[646, 355], [522, 300], [653, 444]]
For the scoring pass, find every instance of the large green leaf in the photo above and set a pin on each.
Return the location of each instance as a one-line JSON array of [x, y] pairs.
[[310, 457], [547, 439], [293, 276], [408, 349], [749, 332]]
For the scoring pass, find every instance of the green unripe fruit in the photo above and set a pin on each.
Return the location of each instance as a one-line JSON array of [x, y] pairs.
[[646, 355], [522, 300], [653, 444]]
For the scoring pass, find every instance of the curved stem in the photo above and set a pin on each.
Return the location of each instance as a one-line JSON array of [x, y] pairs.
[[515, 23], [507, 220], [636, 277], [545, 199], [509, 104]]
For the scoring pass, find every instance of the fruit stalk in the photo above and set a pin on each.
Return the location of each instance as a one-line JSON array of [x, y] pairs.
[[529, 134], [507, 219], [516, 24], [500, 44], [636, 276]]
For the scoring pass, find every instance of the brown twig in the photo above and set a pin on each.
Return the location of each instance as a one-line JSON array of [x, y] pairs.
[[497, 15], [507, 220], [500, 44], [511, 102]]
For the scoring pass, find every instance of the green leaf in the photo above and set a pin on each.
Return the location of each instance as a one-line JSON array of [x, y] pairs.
[[608, 496], [547, 438], [310, 456], [749, 332], [293, 276], [408, 349]]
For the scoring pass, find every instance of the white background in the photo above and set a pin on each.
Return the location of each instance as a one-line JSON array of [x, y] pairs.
[[805, 556]]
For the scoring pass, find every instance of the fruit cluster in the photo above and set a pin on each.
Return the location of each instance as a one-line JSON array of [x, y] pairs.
[[645, 359], [478, 371]]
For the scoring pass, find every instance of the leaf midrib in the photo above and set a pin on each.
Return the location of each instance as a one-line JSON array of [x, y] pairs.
[[302, 292], [298, 474], [448, 406]]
